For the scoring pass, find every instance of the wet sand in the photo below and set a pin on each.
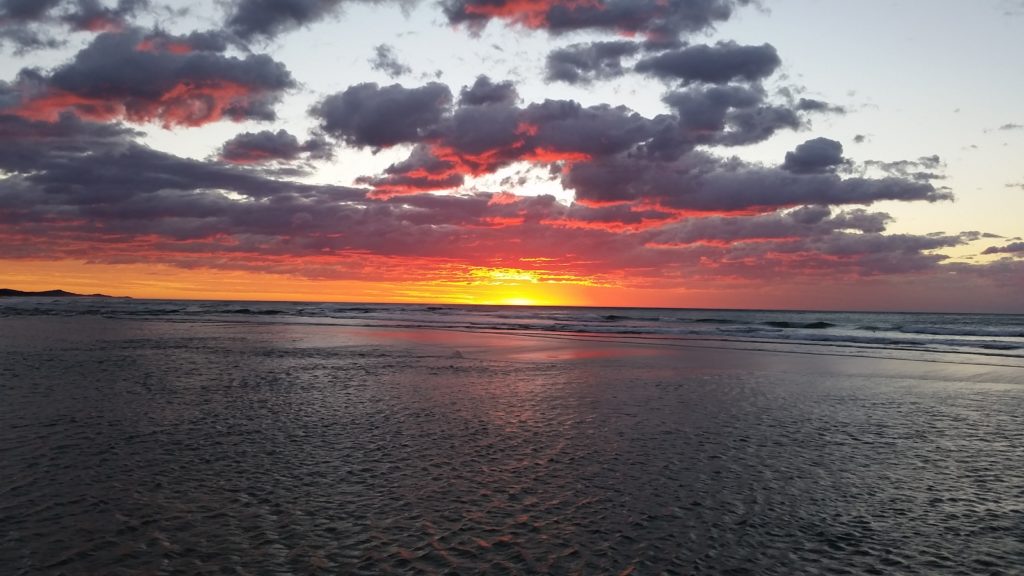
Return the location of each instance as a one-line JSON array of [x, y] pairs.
[[134, 447]]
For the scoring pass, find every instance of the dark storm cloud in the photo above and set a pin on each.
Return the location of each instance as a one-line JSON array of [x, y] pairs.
[[814, 156], [1012, 248], [719, 64], [385, 60], [485, 91], [117, 76], [585, 63], [267, 146], [659, 20], [375, 116]]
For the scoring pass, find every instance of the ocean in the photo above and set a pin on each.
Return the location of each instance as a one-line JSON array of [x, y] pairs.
[[975, 336], [186, 437]]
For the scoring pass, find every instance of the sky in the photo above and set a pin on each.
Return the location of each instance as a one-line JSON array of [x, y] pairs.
[[797, 154]]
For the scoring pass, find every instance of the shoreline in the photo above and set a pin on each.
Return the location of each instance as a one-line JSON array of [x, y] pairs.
[[541, 346]]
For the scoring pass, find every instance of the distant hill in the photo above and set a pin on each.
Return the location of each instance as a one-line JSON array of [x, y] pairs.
[[9, 293]]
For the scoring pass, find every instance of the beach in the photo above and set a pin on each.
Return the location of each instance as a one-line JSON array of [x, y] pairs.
[[142, 446]]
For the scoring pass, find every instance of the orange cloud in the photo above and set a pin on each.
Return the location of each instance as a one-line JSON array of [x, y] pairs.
[[186, 104], [529, 13]]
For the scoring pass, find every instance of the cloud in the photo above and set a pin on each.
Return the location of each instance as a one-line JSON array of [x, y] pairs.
[[656, 198], [85, 190], [812, 105], [267, 146], [814, 157], [701, 183], [1014, 248], [375, 116], [385, 60], [202, 41], [729, 115], [719, 64], [1011, 126], [35, 24], [251, 19], [485, 91], [121, 76], [585, 63], [93, 16], [658, 20], [924, 169]]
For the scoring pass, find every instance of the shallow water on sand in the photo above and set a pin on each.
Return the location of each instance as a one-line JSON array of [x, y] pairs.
[[150, 447]]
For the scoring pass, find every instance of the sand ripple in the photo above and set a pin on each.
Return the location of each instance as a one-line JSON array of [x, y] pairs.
[[212, 451]]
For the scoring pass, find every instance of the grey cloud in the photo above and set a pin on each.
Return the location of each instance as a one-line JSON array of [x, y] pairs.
[[95, 16], [485, 91], [660, 20], [706, 184], [111, 76], [370, 115], [812, 105], [585, 63], [1012, 248], [385, 60], [35, 24], [422, 170], [924, 169], [729, 115], [26, 10], [777, 226], [19, 24], [88, 190], [814, 156], [267, 18], [1011, 126], [201, 40], [267, 146], [719, 64]]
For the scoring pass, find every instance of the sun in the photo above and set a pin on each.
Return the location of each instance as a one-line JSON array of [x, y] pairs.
[[517, 301]]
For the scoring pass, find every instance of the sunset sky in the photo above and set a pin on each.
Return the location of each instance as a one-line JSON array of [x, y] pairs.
[[686, 153]]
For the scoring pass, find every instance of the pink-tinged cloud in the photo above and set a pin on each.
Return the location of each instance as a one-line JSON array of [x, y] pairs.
[[83, 190], [143, 79], [659, 20]]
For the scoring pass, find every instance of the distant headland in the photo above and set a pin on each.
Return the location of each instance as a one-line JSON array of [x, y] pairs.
[[9, 293]]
